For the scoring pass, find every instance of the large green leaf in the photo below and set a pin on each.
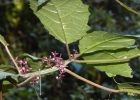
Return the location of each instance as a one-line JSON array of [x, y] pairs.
[[133, 88], [100, 40], [122, 69], [66, 20], [108, 57], [111, 56], [10, 76], [2, 40]]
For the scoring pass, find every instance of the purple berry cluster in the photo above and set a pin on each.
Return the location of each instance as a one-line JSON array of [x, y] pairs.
[[56, 61], [24, 68], [35, 80], [23, 64]]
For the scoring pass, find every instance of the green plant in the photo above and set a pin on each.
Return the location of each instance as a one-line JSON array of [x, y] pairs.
[[67, 20]]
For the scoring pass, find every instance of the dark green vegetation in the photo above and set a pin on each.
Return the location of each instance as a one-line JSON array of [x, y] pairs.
[[24, 32]]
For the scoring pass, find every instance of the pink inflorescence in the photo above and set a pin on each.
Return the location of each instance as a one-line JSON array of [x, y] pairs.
[[23, 64], [24, 68], [35, 80], [55, 60]]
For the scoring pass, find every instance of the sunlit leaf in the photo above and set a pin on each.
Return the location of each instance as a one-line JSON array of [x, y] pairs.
[[2, 40], [110, 74], [66, 20], [100, 40], [130, 87]]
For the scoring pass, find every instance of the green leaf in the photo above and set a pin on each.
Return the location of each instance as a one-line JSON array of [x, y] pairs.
[[6, 86], [66, 20], [33, 61], [40, 2], [130, 87], [100, 40], [111, 56], [2, 40], [4, 75], [108, 61], [7, 68], [110, 74], [33, 64], [114, 69], [4, 67], [32, 57]]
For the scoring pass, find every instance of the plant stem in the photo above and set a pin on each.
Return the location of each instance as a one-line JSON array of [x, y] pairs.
[[30, 76], [1, 89], [11, 57], [106, 61], [92, 83], [68, 51], [42, 72], [26, 81], [128, 8]]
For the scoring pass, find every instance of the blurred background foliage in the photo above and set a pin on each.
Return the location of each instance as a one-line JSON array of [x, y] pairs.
[[25, 34]]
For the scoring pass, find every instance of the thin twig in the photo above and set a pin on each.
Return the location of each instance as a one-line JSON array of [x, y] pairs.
[[128, 8], [26, 81], [45, 71], [92, 83], [40, 83], [30, 76], [11, 57], [36, 93], [42, 72]]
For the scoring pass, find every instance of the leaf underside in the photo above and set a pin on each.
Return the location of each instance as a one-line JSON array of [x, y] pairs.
[[109, 56], [32, 57], [100, 40], [109, 52], [40, 2], [112, 69], [122, 69], [5, 75], [130, 87], [66, 20]]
